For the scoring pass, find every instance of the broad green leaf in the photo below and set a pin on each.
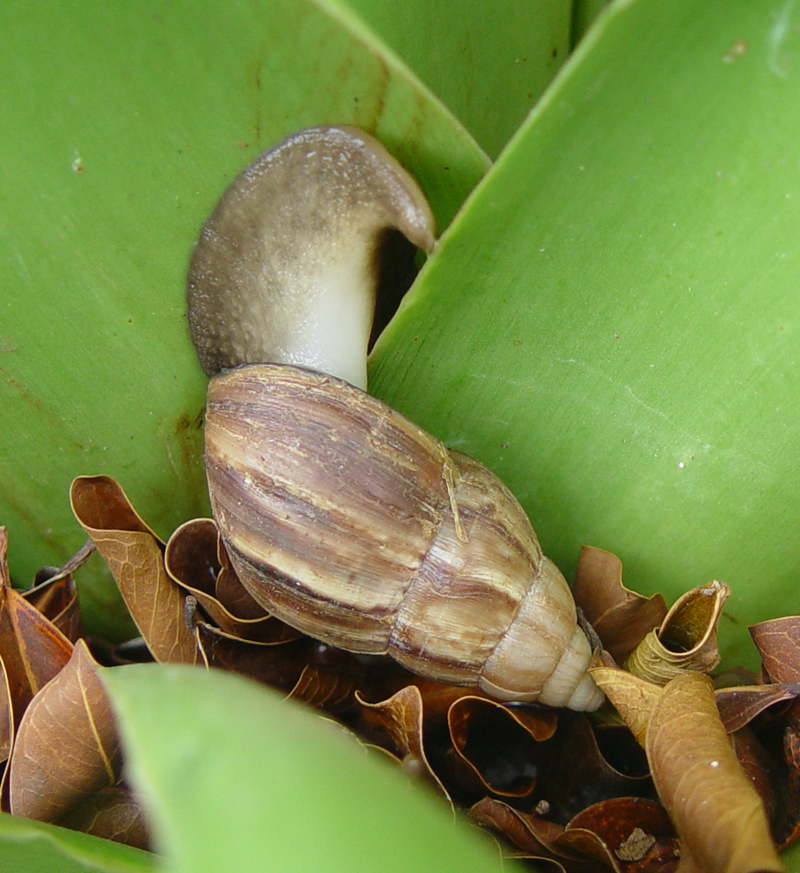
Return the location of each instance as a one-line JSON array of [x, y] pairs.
[[34, 847], [612, 322], [487, 62], [121, 126], [236, 778]]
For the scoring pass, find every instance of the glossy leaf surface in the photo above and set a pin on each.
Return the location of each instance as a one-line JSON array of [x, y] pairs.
[[121, 128], [611, 324], [194, 760]]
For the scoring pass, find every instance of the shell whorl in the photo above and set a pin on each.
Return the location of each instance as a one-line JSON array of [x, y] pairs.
[[348, 521]]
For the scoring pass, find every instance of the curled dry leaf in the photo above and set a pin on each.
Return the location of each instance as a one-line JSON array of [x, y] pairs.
[[56, 597], [621, 617], [533, 836], [715, 809], [66, 745], [112, 814], [632, 697], [32, 650], [739, 705], [633, 830], [303, 668], [590, 764], [134, 555], [499, 744], [789, 829], [6, 721], [686, 641], [778, 643], [766, 773], [194, 559], [400, 718], [67, 751]]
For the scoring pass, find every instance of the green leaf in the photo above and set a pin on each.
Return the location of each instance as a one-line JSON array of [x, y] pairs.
[[236, 778], [612, 322], [121, 125], [488, 63], [33, 847]]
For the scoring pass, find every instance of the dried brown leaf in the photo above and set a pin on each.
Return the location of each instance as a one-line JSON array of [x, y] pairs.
[[765, 772], [33, 651], [789, 830], [134, 555], [631, 696], [778, 643], [582, 773], [400, 718], [686, 640], [501, 745], [536, 838], [112, 814], [67, 746], [739, 705], [633, 830], [621, 617], [6, 718], [56, 597], [715, 809], [192, 561], [533, 835]]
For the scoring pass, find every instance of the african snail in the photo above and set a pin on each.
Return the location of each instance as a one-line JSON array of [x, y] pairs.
[[342, 517]]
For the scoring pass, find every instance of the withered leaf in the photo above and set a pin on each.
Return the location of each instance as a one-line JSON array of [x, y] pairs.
[[630, 829], [33, 651], [400, 718], [532, 835], [714, 807], [686, 640], [6, 718], [632, 697], [56, 597], [778, 643], [535, 837], [500, 744], [134, 555], [621, 617], [582, 775], [110, 813], [323, 689], [789, 829], [739, 705], [192, 560], [67, 746], [766, 773]]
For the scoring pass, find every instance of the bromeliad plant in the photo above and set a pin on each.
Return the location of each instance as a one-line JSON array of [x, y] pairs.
[[607, 322]]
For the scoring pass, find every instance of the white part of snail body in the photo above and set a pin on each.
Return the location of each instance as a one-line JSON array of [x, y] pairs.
[[341, 516], [285, 267]]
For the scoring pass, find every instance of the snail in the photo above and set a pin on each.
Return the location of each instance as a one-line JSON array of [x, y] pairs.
[[341, 516]]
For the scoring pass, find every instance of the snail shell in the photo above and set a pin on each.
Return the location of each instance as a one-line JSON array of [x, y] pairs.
[[352, 524]]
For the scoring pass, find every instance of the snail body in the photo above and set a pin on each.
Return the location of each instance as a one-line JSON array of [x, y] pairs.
[[342, 517]]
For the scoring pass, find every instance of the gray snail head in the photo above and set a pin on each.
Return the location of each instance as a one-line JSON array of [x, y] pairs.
[[341, 516], [286, 266]]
